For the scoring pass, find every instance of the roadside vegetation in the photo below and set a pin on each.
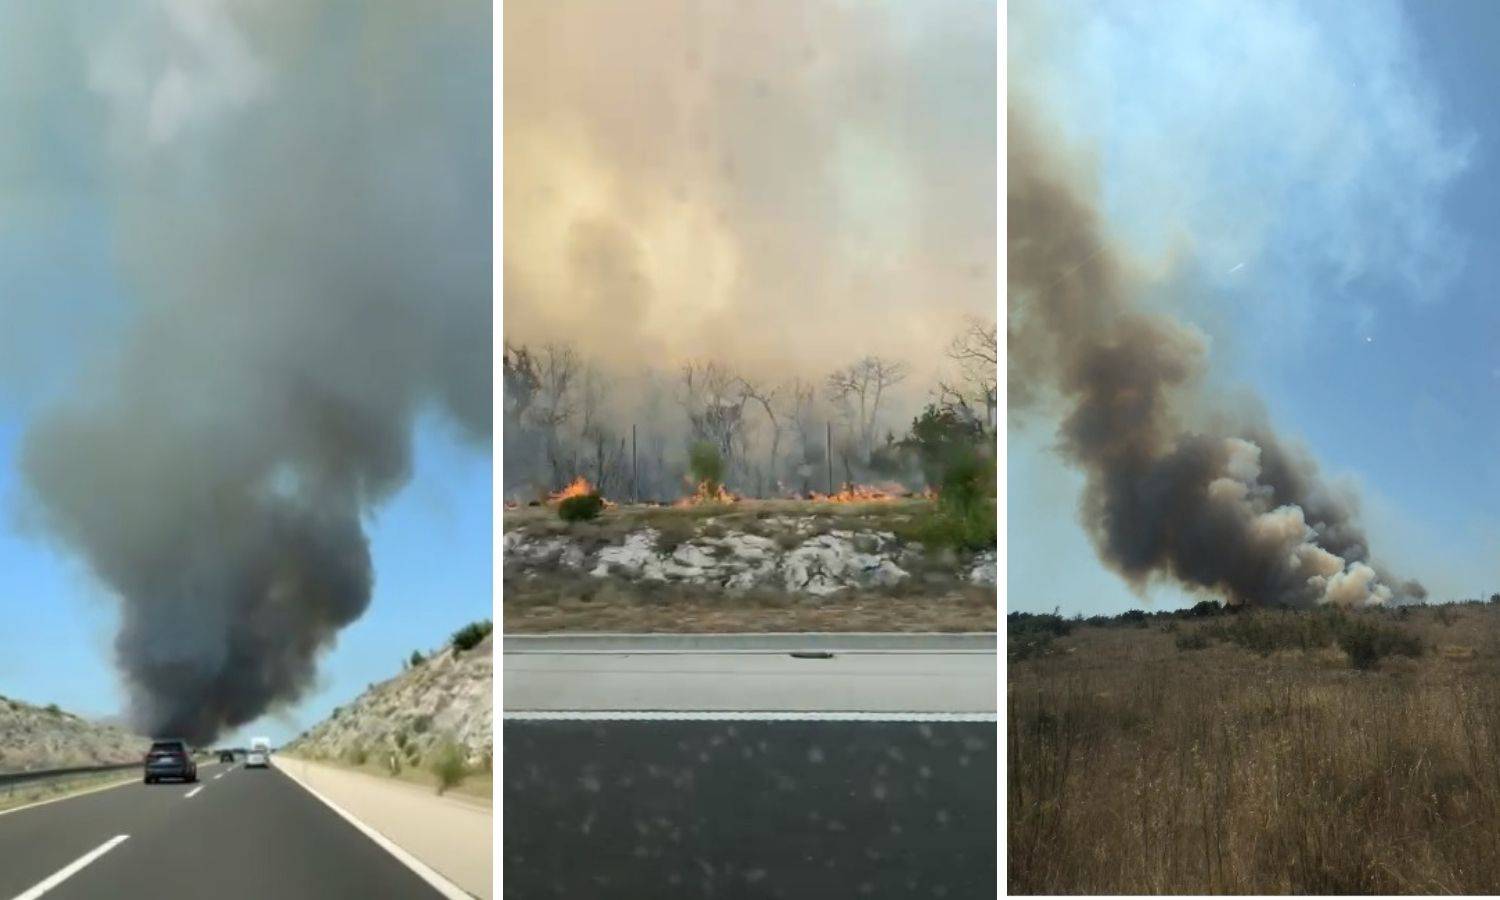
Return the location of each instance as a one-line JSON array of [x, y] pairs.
[[469, 636], [1256, 752]]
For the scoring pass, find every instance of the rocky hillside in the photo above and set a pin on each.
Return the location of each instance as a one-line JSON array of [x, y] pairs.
[[446, 697], [45, 737], [801, 549]]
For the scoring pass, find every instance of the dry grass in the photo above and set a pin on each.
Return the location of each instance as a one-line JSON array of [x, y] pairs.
[[617, 521], [563, 604], [476, 786], [1136, 767]]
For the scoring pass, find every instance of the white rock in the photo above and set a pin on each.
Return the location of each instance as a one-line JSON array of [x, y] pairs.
[[983, 569]]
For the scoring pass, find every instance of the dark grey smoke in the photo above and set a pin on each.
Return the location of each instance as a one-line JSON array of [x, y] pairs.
[[1178, 486], [308, 255]]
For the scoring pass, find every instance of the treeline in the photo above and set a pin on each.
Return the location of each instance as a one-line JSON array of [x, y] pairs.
[[633, 434]]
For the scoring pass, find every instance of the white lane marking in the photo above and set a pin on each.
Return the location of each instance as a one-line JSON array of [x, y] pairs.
[[190, 794], [428, 874], [72, 868], [738, 716], [134, 779]]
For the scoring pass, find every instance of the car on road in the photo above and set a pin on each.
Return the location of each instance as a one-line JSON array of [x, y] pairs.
[[259, 756], [170, 758], [226, 756]]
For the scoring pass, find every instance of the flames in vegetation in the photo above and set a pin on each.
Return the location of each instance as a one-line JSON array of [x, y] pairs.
[[861, 493], [707, 493], [580, 487]]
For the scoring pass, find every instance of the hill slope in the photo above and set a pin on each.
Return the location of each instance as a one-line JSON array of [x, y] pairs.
[[447, 697], [37, 737]]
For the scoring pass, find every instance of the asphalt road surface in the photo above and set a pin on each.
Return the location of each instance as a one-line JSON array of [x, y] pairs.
[[748, 766], [731, 809], [252, 833]]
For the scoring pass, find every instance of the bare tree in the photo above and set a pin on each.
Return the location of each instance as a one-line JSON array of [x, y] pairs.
[[521, 381], [975, 352], [859, 388], [766, 399], [802, 415], [556, 403], [714, 401]]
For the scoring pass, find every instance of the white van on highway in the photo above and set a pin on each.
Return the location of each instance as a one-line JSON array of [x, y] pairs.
[[260, 753]]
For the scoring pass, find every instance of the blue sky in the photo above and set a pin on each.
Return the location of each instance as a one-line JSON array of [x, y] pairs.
[[1314, 185]]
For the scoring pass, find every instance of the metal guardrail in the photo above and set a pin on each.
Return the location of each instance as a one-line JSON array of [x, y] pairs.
[[10, 779]]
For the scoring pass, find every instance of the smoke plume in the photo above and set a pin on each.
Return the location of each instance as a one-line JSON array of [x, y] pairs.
[[784, 187], [300, 194], [1178, 485]]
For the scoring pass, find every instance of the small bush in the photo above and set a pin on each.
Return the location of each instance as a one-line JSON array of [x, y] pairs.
[[706, 465], [469, 636], [1028, 645], [447, 762], [53, 709], [417, 658], [581, 508], [1368, 642], [356, 755]]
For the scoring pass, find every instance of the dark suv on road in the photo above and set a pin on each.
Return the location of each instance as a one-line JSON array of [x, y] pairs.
[[170, 759]]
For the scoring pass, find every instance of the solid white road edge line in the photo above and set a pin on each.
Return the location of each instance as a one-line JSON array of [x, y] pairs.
[[134, 779], [72, 868], [746, 716], [425, 872], [192, 793]]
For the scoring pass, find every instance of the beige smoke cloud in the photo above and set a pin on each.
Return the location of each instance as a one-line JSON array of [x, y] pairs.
[[782, 186]]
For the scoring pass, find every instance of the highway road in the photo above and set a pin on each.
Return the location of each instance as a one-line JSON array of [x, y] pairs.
[[237, 833], [695, 767]]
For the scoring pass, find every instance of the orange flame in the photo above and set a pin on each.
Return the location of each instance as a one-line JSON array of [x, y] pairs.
[[704, 494], [857, 493], [579, 488]]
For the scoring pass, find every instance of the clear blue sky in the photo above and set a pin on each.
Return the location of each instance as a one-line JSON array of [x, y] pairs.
[[1319, 185]]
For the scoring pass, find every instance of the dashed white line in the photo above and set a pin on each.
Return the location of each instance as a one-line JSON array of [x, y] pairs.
[[190, 794], [72, 868]]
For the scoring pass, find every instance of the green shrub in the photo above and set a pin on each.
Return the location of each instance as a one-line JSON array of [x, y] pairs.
[[469, 636], [416, 658], [448, 763], [1029, 635], [1028, 645], [1367, 642], [1024, 623], [356, 755], [706, 465], [581, 508]]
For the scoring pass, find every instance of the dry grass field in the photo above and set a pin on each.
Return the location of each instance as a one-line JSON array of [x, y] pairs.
[[1152, 757]]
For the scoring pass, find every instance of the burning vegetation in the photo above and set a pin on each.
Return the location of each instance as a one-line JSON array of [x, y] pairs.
[[578, 487], [707, 492]]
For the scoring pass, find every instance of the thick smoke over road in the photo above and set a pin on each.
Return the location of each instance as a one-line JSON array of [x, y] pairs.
[[1177, 487], [302, 202]]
